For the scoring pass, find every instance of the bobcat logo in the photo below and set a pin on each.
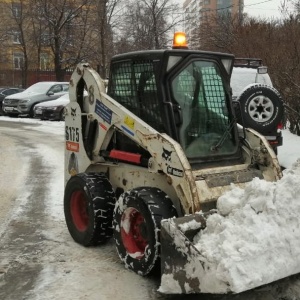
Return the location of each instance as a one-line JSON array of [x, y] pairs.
[[73, 112], [166, 155]]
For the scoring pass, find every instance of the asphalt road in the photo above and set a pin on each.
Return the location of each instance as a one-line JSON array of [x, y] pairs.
[[39, 259]]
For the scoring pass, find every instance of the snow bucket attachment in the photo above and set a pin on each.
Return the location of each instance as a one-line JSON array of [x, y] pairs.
[[231, 253], [184, 270]]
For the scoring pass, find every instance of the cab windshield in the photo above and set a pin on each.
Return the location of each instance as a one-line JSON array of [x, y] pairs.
[[206, 129]]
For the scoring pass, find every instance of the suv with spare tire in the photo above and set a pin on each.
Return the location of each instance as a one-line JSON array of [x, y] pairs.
[[261, 105]]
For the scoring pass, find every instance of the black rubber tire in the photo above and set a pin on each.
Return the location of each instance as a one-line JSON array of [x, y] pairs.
[[89, 202], [31, 111], [151, 205], [262, 108], [61, 115]]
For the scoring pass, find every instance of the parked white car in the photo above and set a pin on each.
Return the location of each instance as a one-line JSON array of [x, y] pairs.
[[261, 105]]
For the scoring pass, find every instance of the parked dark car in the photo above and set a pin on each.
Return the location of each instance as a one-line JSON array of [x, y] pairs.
[[52, 110], [6, 91]]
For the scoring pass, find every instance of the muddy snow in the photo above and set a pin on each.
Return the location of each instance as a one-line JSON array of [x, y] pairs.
[[238, 249]]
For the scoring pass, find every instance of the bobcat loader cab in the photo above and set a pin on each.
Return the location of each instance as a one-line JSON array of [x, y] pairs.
[[161, 143]]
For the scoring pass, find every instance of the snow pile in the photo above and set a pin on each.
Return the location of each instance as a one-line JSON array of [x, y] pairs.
[[290, 149], [254, 239]]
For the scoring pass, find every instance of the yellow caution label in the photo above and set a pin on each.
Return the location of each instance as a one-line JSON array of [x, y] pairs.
[[129, 122]]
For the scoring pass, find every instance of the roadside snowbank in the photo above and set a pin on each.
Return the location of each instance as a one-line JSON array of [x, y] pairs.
[[253, 240]]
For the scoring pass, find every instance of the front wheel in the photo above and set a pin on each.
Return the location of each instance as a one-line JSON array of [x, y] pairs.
[[137, 217], [88, 205], [31, 111], [62, 115]]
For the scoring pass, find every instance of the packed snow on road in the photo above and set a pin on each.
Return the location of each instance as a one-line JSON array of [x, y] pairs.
[[254, 239]]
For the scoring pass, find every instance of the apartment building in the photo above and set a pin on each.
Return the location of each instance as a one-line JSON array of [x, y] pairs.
[[42, 40], [197, 11]]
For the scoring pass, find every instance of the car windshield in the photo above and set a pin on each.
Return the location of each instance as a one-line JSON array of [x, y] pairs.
[[40, 87], [206, 129]]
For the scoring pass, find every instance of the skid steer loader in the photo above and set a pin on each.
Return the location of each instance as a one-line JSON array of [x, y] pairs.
[[154, 149]]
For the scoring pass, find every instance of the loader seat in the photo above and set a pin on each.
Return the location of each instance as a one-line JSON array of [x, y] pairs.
[[150, 110]]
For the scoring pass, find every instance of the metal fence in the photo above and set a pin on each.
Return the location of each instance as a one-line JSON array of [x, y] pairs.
[[16, 78]]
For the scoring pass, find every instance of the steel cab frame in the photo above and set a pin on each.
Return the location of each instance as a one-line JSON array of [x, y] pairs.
[[183, 93]]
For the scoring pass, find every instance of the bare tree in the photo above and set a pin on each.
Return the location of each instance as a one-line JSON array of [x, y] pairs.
[[63, 19], [148, 24], [105, 22]]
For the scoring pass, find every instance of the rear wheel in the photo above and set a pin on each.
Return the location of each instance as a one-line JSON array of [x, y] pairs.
[[88, 204], [136, 224]]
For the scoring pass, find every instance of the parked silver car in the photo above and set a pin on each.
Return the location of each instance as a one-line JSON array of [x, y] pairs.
[[23, 103], [7, 91]]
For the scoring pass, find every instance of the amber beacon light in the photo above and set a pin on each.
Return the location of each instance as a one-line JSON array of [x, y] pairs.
[[179, 40]]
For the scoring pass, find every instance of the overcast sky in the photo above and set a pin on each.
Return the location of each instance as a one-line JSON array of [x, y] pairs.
[[258, 8], [263, 8]]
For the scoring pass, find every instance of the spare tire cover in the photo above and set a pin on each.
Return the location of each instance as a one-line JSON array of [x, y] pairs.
[[261, 108]]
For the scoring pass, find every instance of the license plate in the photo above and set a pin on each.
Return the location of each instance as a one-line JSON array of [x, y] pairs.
[[8, 108]]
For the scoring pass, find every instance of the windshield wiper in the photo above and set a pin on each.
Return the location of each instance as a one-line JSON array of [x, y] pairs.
[[224, 136]]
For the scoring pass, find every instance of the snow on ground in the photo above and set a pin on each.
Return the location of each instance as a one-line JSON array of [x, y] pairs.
[[53, 158], [255, 238]]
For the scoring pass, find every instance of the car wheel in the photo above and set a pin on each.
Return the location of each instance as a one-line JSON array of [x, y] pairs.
[[88, 205], [136, 223], [262, 108], [31, 111], [62, 115]]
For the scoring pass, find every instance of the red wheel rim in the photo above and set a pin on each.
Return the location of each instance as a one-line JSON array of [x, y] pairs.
[[79, 210], [134, 233]]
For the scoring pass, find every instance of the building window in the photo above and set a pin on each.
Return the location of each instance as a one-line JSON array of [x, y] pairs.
[[17, 39], [45, 39], [16, 10], [44, 61], [18, 61]]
